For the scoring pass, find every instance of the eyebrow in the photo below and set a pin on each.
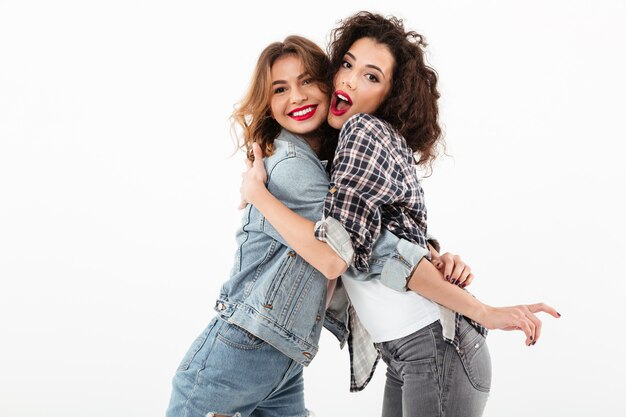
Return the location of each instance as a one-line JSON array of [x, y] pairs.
[[367, 65], [301, 76]]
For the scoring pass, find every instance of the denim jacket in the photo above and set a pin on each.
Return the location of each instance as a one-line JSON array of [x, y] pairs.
[[272, 292]]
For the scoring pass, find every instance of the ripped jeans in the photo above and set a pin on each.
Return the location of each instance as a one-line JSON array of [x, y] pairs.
[[228, 371], [427, 377]]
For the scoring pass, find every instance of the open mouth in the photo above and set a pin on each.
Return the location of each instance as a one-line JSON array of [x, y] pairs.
[[303, 113], [341, 103]]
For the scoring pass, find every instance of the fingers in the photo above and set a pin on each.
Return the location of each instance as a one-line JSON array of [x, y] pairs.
[[535, 308], [528, 327], [242, 205], [437, 263], [468, 280], [461, 272], [537, 325], [258, 154], [448, 262]]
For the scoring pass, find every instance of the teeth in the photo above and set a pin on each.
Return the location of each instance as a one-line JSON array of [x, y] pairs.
[[342, 97], [303, 112]]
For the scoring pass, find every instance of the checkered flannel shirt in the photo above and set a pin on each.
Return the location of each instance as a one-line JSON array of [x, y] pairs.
[[374, 183]]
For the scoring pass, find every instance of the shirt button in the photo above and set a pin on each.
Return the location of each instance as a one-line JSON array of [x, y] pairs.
[[333, 190]]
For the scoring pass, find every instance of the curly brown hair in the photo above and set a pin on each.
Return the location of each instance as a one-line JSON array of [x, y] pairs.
[[253, 114], [411, 105]]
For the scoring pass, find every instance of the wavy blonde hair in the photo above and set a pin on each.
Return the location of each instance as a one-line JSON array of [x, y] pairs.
[[253, 113]]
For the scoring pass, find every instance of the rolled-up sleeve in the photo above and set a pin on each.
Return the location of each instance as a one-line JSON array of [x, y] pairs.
[[361, 183]]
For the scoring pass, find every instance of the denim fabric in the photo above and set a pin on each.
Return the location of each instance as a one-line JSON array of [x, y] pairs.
[[272, 292], [229, 371], [428, 377]]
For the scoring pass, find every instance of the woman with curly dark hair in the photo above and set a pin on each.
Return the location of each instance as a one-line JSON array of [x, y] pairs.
[[432, 338]]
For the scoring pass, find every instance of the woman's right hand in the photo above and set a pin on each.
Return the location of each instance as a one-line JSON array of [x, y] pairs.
[[254, 178], [520, 317]]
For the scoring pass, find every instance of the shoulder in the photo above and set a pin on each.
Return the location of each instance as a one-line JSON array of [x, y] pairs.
[[365, 125], [290, 163]]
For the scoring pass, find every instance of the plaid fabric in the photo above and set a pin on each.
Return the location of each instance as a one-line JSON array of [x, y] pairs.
[[364, 355], [373, 182]]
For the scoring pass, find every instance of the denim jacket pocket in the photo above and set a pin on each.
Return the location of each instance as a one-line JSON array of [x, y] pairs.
[[283, 271], [475, 357]]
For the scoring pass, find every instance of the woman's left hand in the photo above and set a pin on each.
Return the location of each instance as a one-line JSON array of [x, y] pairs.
[[254, 178], [453, 268]]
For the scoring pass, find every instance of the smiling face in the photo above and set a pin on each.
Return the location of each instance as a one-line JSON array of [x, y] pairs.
[[297, 102], [362, 82]]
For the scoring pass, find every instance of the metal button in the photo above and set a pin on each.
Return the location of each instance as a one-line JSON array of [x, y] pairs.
[[333, 190], [221, 307], [477, 345], [318, 317], [307, 354]]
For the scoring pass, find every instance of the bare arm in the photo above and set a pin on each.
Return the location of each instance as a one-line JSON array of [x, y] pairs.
[[295, 229], [427, 281]]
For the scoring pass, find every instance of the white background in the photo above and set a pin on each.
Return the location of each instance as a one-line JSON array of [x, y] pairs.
[[118, 192]]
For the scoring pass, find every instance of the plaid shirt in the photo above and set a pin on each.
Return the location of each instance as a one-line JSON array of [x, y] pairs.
[[374, 183]]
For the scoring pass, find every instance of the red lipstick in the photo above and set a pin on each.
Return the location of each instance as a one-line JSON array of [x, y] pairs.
[[340, 97], [304, 112]]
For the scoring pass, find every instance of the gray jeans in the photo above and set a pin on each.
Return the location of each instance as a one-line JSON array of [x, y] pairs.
[[427, 377]]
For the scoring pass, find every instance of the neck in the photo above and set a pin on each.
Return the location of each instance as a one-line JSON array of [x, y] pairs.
[[314, 140]]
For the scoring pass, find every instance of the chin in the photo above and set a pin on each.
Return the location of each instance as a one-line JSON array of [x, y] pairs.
[[335, 122]]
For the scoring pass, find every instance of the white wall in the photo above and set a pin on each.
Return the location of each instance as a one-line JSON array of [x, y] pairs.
[[118, 193]]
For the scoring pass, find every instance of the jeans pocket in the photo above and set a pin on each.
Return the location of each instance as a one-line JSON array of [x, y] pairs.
[[476, 360], [196, 346], [239, 338]]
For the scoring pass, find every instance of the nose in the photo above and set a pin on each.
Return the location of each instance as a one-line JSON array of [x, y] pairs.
[[297, 95], [348, 82]]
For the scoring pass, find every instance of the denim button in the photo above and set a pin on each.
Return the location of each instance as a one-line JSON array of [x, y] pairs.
[[477, 345]]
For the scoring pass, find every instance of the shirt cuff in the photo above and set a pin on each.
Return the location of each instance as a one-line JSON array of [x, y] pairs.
[[433, 242], [332, 232], [399, 267]]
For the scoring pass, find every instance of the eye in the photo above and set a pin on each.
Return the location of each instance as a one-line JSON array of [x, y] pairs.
[[279, 90], [346, 64], [307, 81], [372, 78]]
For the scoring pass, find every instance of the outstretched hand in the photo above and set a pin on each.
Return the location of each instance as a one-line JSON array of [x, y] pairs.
[[520, 317], [254, 178]]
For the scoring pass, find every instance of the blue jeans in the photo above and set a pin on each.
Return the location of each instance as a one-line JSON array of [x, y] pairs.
[[427, 377], [228, 371]]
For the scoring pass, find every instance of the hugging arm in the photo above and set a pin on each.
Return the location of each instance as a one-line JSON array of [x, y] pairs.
[[288, 225]]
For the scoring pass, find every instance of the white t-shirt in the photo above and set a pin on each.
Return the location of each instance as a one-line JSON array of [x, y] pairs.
[[387, 314]]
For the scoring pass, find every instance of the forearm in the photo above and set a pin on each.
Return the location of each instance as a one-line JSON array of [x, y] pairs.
[[298, 232], [428, 281]]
